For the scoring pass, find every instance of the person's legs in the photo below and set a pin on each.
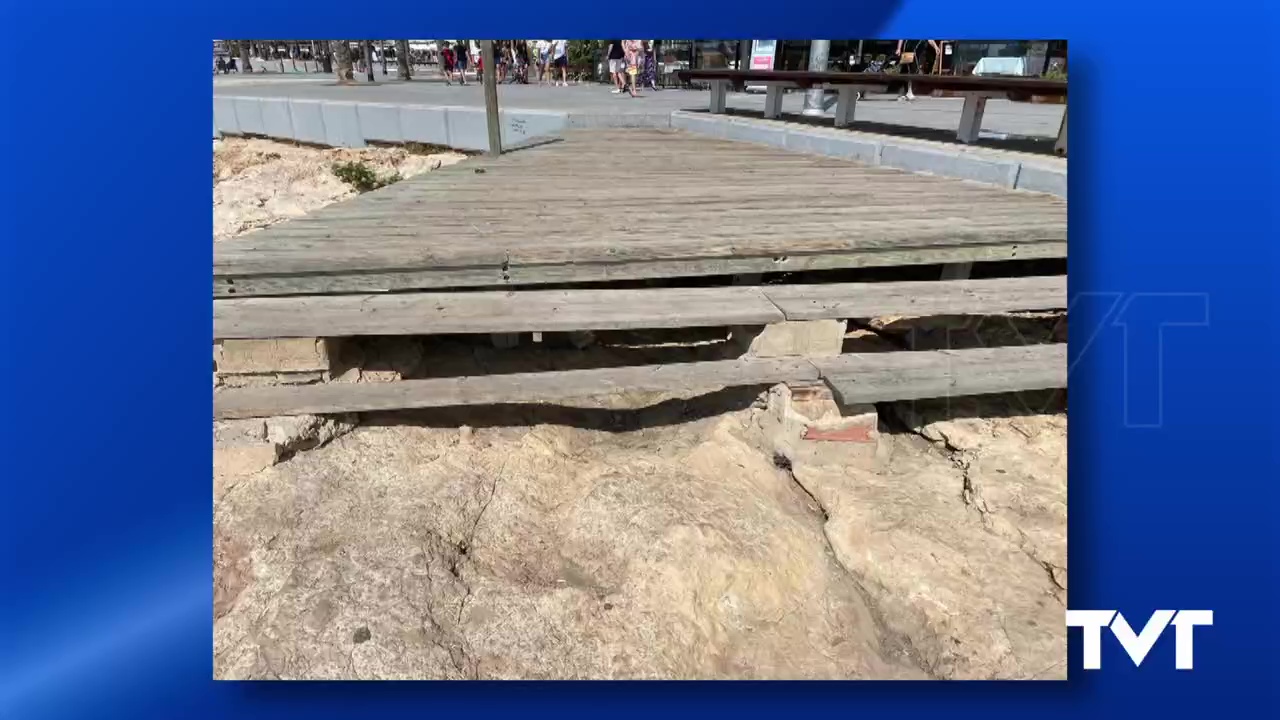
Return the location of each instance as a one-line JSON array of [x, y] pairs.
[[615, 76]]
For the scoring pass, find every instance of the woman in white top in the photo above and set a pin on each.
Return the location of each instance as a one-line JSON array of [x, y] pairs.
[[544, 59], [560, 60]]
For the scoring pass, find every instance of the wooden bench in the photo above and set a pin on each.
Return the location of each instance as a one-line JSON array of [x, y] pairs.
[[975, 90]]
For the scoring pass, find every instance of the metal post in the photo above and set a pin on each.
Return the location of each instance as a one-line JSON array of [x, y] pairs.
[[859, 53], [368, 58], [491, 98], [814, 97]]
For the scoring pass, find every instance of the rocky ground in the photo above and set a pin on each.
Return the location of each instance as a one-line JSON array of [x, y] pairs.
[[645, 536]]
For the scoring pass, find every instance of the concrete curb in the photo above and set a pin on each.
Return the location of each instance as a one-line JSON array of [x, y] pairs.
[[992, 167], [354, 124]]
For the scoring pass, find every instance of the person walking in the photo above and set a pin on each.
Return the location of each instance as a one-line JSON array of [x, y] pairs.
[[907, 65], [560, 61], [617, 66], [649, 75], [446, 64], [522, 61], [632, 50], [460, 58], [499, 60], [544, 60]]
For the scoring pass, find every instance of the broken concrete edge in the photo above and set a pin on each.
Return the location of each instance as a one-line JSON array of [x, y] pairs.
[[244, 447], [991, 167], [791, 338], [276, 356]]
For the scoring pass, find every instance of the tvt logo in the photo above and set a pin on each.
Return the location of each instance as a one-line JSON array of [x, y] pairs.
[[1139, 644]]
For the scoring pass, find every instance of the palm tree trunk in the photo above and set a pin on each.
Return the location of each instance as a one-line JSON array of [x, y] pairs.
[[402, 59], [342, 54], [244, 56]]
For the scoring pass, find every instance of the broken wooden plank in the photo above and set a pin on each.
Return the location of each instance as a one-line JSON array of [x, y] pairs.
[[856, 378], [914, 375], [949, 297], [613, 309], [491, 312], [579, 272], [504, 389]]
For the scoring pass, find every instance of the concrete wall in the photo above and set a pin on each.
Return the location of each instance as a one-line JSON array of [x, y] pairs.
[[353, 124], [1011, 170]]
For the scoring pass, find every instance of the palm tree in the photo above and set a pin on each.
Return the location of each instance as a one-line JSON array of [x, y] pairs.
[[342, 54], [243, 45], [402, 59]]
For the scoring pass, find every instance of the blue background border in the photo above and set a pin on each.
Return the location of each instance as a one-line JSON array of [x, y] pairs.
[[105, 590]]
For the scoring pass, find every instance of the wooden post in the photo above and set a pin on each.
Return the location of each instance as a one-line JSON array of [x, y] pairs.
[[491, 97]]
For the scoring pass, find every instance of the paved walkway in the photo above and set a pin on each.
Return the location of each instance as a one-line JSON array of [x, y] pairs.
[[1002, 117]]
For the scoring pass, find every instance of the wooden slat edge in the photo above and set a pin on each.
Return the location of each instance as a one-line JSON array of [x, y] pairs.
[[915, 375], [504, 389], [856, 378], [538, 310]]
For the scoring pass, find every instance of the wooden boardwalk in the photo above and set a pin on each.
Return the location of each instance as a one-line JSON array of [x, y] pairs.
[[611, 205]]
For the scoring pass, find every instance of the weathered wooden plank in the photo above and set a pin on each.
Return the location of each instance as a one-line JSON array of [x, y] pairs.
[[513, 388], [882, 377], [614, 309], [490, 312], [955, 297], [683, 202], [388, 251], [225, 285], [856, 378]]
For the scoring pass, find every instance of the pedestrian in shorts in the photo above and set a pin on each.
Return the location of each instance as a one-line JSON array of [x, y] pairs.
[[460, 52], [560, 61], [617, 66]]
